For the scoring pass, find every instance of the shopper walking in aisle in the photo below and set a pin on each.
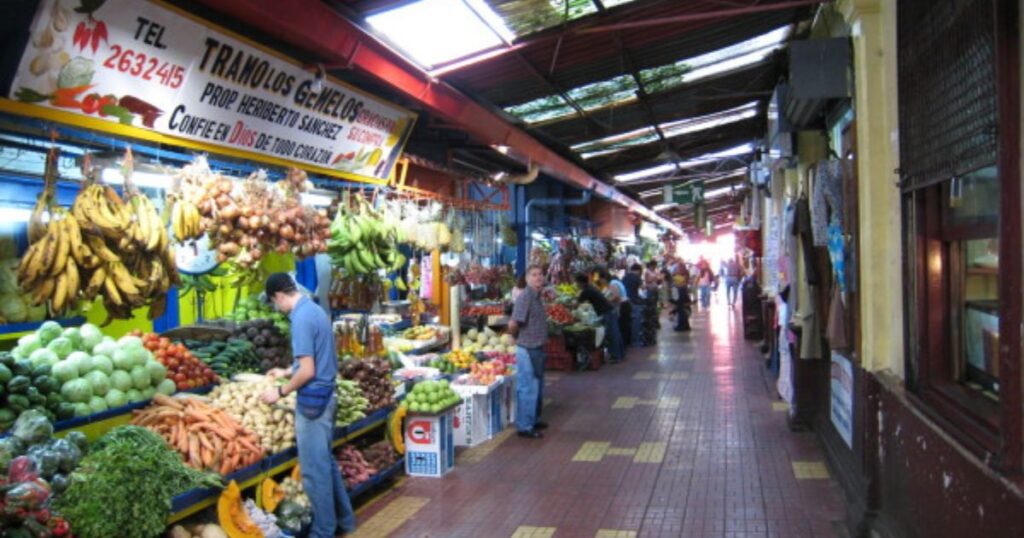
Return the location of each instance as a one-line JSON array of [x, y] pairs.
[[633, 282], [682, 300], [732, 271], [529, 324], [704, 283], [312, 378], [603, 307]]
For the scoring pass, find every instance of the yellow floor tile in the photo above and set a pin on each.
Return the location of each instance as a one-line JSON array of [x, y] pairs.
[[668, 403], [643, 375], [780, 406], [625, 402], [650, 453], [678, 376], [534, 532], [481, 451], [810, 470], [592, 451], [390, 517], [610, 533], [621, 452]]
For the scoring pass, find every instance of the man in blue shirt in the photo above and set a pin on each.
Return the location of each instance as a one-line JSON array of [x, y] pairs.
[[633, 282], [312, 377]]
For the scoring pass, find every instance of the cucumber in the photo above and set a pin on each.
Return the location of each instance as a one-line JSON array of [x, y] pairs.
[[5, 374], [19, 384]]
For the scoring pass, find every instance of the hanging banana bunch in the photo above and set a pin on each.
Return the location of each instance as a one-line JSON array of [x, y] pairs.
[[362, 240], [458, 242], [103, 247]]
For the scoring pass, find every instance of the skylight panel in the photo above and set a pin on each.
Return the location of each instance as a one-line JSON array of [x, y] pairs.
[[608, 4], [715, 193], [433, 32], [723, 60], [650, 193], [529, 16], [543, 109], [614, 91], [646, 135]]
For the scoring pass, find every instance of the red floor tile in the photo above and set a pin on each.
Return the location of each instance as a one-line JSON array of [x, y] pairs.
[[726, 470]]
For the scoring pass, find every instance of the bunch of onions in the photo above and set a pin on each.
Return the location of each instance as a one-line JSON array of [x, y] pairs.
[[246, 221]]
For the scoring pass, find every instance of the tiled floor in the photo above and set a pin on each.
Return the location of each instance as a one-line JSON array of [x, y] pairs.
[[683, 439]]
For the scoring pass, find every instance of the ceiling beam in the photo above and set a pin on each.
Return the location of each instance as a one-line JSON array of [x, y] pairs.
[[755, 7], [314, 27]]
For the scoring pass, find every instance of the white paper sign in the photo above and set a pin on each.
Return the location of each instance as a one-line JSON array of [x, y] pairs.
[[142, 64], [842, 397]]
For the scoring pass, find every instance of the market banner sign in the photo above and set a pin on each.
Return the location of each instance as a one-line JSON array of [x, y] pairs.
[[691, 193], [143, 64]]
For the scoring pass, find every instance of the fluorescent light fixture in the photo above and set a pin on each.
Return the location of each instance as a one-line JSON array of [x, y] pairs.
[[646, 135], [433, 32], [646, 172], [662, 207], [539, 236], [650, 193], [153, 180], [315, 199], [715, 193]]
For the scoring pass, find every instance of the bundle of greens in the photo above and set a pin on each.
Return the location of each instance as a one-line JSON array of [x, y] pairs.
[[125, 485]]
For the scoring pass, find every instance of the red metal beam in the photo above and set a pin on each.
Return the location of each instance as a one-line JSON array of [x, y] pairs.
[[313, 26]]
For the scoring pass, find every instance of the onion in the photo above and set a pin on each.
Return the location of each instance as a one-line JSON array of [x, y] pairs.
[[224, 229], [228, 249], [287, 232], [273, 227], [243, 222], [223, 200], [229, 212]]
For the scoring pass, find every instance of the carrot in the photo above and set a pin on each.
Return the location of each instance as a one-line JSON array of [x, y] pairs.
[[206, 456], [167, 401], [248, 445]]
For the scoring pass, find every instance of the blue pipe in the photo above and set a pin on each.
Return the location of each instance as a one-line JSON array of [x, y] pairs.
[[527, 240]]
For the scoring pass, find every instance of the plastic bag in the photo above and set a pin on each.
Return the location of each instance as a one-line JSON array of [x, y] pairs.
[[32, 427], [10, 448], [79, 440], [67, 453], [27, 496], [47, 462], [22, 469]]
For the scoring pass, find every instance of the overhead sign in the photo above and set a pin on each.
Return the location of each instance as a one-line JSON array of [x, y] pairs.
[[142, 64], [690, 193]]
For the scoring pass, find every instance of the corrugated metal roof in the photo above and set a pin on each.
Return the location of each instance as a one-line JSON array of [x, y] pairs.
[[561, 60]]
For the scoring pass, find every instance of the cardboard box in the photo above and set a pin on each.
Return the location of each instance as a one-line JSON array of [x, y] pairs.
[[474, 417], [430, 444]]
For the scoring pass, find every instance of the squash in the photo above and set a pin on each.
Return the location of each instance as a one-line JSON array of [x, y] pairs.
[[232, 516], [394, 430], [270, 495], [297, 473]]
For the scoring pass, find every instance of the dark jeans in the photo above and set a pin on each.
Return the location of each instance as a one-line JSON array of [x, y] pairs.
[[626, 321], [616, 349], [682, 309]]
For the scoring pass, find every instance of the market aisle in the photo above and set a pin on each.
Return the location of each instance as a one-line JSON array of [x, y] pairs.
[[683, 439]]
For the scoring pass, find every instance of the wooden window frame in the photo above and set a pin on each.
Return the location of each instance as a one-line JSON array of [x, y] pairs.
[[992, 430]]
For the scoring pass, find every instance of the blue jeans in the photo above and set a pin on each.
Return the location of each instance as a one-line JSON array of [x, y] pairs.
[[705, 295], [321, 477], [732, 288], [636, 328], [529, 389], [616, 349]]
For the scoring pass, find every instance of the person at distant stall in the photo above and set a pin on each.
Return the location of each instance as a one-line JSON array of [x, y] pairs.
[[529, 324], [633, 281], [312, 377], [609, 316]]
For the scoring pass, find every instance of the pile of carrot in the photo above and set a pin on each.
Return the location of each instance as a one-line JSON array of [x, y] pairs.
[[206, 437]]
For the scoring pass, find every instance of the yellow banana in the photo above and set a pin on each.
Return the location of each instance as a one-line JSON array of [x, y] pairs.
[[43, 291], [74, 281], [178, 220], [112, 293], [100, 249], [96, 282], [49, 247], [60, 294], [63, 247], [124, 279], [30, 265]]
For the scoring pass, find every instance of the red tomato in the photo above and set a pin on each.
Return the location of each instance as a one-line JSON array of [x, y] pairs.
[[182, 385]]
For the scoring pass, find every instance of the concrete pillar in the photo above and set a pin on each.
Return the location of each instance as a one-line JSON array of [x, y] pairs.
[[873, 32]]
